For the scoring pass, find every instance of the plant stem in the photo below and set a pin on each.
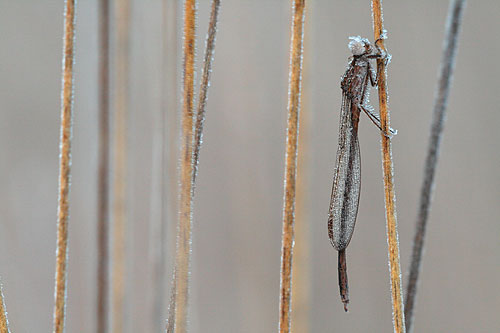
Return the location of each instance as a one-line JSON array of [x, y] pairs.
[[120, 161], [450, 42], [301, 273], [294, 85], [390, 195], [205, 82], [64, 167], [180, 290], [103, 172], [4, 322]]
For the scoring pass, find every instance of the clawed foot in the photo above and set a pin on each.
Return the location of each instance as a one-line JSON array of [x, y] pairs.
[[382, 52], [391, 133], [382, 37]]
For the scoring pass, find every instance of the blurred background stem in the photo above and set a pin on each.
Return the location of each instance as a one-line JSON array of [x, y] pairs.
[[122, 21], [453, 22], [103, 171]]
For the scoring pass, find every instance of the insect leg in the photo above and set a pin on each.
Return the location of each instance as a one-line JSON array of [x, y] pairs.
[[382, 37], [380, 54], [376, 120], [372, 76]]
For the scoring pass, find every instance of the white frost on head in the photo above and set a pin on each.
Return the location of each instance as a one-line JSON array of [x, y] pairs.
[[357, 45]]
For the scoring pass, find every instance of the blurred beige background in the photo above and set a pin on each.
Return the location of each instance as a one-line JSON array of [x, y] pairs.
[[238, 204]]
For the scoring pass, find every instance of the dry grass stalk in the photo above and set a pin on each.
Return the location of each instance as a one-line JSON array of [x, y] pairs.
[[294, 85], [120, 160], [4, 322], [390, 195], [103, 172], [205, 82], [64, 167], [180, 290], [301, 273], [198, 134], [453, 23]]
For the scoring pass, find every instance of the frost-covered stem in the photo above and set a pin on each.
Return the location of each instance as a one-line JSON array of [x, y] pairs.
[[450, 42], [301, 273], [179, 303], [122, 18], [64, 166], [390, 195], [294, 84], [103, 171], [4, 322], [205, 83]]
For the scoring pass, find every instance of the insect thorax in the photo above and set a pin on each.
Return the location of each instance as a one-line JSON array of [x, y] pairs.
[[354, 79]]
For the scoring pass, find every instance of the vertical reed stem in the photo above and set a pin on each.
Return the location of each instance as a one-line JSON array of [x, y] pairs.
[[205, 82], [103, 171], [301, 274], [294, 85], [180, 290], [120, 161], [4, 322], [64, 167], [450, 42], [390, 195]]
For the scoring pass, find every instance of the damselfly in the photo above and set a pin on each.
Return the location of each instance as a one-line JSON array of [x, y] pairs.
[[347, 177]]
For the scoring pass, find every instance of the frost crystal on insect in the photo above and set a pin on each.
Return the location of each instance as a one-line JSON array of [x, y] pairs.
[[357, 45]]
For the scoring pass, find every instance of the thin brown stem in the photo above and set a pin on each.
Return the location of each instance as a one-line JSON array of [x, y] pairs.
[[64, 167], [120, 164], [180, 289], [294, 85], [205, 82], [4, 322], [390, 194], [301, 273], [103, 171], [198, 127], [453, 22]]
